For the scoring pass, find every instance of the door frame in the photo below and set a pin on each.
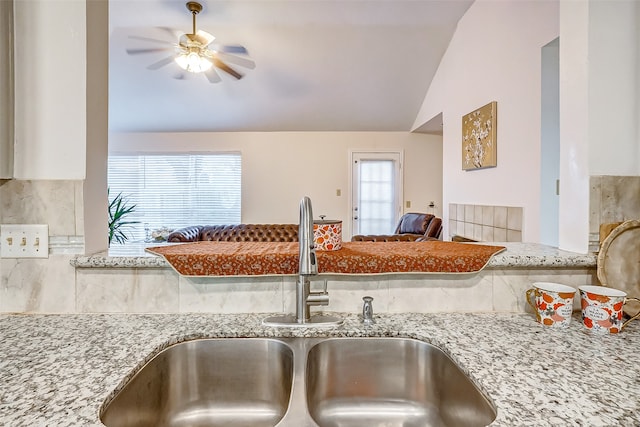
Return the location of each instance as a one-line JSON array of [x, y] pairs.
[[395, 155]]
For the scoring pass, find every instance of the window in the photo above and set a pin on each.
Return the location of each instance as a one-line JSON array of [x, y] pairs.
[[376, 190], [177, 190], [377, 197]]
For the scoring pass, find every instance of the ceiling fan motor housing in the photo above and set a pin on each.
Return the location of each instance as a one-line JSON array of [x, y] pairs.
[[194, 7]]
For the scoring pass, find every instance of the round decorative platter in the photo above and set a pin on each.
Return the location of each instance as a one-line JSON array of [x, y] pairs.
[[619, 262]]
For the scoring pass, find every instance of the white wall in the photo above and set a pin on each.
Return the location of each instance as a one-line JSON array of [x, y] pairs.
[[550, 144], [638, 88], [495, 56], [613, 80], [94, 195], [574, 130], [50, 82], [6, 89], [599, 78], [278, 168]]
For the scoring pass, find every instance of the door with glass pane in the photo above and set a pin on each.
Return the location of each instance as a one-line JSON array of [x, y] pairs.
[[376, 192]]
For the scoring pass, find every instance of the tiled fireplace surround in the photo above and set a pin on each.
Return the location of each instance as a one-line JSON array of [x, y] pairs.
[[486, 223], [53, 286]]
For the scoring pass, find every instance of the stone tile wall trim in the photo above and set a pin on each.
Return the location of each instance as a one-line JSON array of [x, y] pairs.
[[486, 223]]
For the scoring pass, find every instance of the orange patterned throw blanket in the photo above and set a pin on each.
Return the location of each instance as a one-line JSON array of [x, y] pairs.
[[281, 258]]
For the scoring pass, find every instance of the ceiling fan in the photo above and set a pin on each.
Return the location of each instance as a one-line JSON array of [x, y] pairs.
[[195, 52]]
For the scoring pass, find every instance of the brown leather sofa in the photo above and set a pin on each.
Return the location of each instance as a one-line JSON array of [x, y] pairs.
[[412, 227], [237, 233]]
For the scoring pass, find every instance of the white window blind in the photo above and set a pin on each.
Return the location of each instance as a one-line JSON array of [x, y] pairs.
[[177, 190]]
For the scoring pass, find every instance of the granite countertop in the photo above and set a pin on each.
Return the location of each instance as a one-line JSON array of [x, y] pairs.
[[59, 369], [517, 255]]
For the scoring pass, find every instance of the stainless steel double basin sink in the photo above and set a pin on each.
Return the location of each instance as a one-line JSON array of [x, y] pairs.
[[298, 382]]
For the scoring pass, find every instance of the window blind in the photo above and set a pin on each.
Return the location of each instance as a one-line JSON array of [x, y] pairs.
[[178, 190]]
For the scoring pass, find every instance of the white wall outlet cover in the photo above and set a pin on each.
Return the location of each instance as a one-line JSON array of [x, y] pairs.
[[24, 241]]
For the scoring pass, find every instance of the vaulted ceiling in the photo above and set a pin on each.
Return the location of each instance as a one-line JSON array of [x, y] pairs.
[[321, 65]]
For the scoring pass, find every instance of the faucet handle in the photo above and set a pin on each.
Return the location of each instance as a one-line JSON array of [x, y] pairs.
[[367, 310]]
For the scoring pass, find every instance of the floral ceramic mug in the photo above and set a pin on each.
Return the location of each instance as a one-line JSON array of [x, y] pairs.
[[602, 309], [552, 303]]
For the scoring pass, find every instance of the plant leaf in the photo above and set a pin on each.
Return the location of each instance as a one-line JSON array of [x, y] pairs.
[[118, 210]]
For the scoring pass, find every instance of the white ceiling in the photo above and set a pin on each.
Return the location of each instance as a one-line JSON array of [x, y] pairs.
[[321, 65]]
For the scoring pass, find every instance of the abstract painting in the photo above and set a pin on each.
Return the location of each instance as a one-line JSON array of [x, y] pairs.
[[479, 138]]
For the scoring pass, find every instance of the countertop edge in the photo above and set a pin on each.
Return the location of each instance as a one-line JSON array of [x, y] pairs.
[[517, 255]]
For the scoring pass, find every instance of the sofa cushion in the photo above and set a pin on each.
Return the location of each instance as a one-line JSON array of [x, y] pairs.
[[237, 233], [250, 233], [407, 237], [414, 223], [186, 234]]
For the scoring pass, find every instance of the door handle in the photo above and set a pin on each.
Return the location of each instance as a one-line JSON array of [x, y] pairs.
[[355, 217]]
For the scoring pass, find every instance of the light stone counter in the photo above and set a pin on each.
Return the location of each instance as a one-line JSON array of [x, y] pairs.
[[517, 255], [128, 279], [58, 369]]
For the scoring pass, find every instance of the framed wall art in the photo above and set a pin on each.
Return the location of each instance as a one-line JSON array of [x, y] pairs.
[[479, 138]]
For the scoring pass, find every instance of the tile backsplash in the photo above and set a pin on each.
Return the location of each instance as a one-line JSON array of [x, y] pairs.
[[42, 285], [611, 199], [486, 223]]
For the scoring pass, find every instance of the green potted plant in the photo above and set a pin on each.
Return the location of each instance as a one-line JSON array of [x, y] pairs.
[[119, 209]]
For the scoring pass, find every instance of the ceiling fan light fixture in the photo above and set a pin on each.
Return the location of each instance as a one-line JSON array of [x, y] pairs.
[[195, 52], [193, 62], [191, 57]]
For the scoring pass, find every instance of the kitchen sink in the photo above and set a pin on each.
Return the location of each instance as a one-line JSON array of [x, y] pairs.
[[390, 382], [227, 382], [299, 382]]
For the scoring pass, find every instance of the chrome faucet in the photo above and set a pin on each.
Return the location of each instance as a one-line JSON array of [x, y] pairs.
[[307, 266], [307, 262]]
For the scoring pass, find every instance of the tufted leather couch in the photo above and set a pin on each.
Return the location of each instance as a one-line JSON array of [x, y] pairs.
[[237, 233], [412, 227]]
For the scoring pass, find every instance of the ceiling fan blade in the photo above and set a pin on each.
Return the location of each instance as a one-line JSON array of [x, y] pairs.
[[138, 51], [161, 63], [149, 39], [224, 67], [175, 34], [237, 60], [204, 37], [232, 49], [212, 76]]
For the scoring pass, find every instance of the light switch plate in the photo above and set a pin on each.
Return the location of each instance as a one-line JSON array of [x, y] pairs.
[[24, 241]]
